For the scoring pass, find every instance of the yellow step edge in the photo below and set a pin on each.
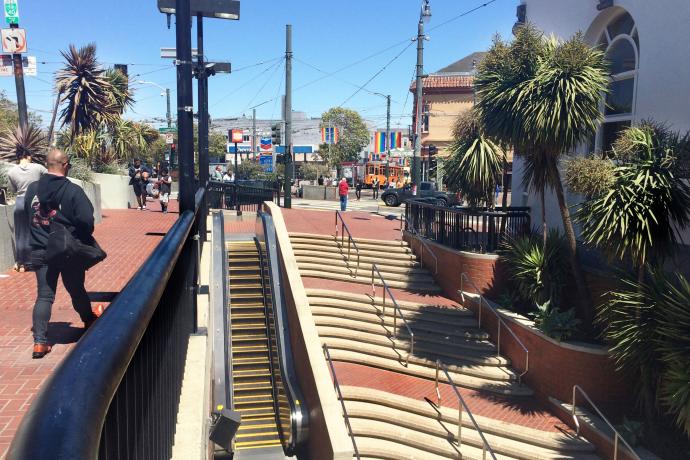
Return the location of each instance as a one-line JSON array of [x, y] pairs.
[[256, 444], [253, 435]]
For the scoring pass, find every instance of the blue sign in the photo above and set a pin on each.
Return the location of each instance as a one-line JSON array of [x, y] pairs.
[[266, 162]]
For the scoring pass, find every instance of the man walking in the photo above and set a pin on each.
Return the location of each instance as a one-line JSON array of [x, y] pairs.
[[138, 174], [20, 176], [375, 187], [343, 190], [55, 199]]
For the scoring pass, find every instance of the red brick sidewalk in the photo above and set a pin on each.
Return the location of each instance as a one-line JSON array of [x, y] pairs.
[[128, 236]]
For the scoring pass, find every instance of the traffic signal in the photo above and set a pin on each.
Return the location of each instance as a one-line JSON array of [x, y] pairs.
[[276, 133], [280, 159]]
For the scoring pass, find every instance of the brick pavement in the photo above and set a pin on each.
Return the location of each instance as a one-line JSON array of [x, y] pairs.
[[128, 236], [522, 411]]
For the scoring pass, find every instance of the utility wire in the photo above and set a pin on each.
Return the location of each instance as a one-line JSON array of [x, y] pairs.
[[279, 66], [245, 84], [454, 18]]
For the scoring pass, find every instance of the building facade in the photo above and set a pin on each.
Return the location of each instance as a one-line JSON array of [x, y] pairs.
[[646, 42]]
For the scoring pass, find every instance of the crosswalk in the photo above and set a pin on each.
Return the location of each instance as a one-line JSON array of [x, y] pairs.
[[365, 205]]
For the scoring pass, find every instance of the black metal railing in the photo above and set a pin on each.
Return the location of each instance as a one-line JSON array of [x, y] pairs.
[[243, 197], [115, 396], [476, 230], [292, 415]]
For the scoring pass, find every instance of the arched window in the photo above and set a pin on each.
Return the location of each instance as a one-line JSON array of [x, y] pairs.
[[621, 42]]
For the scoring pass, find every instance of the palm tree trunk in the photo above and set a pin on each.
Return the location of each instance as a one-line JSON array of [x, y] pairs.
[[504, 201], [584, 300], [52, 120], [544, 228]]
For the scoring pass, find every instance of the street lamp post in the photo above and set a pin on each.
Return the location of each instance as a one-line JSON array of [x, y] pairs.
[[424, 16]]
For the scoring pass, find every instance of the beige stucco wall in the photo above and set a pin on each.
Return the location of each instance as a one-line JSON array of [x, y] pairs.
[[443, 110]]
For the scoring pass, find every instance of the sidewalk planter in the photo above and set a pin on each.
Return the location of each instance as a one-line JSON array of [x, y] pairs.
[[319, 192], [6, 237], [554, 367], [116, 193], [93, 193]]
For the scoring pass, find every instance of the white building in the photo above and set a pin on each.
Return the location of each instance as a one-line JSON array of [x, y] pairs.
[[648, 43]]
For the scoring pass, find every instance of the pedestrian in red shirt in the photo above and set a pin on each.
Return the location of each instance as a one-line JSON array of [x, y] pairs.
[[343, 190]]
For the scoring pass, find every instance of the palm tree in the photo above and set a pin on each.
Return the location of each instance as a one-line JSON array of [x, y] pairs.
[[85, 89], [476, 161], [120, 95], [641, 214], [548, 111], [21, 141]]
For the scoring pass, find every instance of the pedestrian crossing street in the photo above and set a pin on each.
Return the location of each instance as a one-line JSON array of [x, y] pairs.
[[364, 205]]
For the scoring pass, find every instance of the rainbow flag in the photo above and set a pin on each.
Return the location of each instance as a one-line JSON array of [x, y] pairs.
[[396, 140], [379, 142], [329, 135]]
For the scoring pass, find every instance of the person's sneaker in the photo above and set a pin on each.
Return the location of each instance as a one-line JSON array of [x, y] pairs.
[[97, 311], [40, 350], [140, 208], [144, 207]]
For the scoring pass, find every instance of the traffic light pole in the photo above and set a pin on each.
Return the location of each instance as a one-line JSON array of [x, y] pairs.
[[416, 163], [388, 136], [19, 84], [202, 97], [289, 161], [185, 104]]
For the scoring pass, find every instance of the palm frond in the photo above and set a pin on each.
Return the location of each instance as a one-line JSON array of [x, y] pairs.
[[18, 142]]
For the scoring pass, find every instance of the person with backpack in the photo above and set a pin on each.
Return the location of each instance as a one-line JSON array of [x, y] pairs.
[[62, 224], [138, 174]]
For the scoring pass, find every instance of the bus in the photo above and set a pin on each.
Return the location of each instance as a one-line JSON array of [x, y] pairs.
[[374, 169]]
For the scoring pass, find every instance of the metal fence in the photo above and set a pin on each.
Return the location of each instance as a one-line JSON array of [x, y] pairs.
[[116, 395], [243, 197], [466, 229]]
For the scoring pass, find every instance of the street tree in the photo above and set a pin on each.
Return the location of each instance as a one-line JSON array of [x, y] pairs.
[[547, 103], [353, 136]]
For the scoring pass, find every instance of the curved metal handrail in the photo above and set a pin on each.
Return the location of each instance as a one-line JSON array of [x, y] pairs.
[[462, 404], [396, 310], [350, 240], [464, 276], [293, 432], [422, 240], [616, 434], [340, 398]]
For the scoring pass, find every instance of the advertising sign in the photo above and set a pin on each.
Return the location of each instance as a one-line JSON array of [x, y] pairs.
[[236, 136]]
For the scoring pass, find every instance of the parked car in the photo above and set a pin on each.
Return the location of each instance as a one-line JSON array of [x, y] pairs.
[[426, 192]]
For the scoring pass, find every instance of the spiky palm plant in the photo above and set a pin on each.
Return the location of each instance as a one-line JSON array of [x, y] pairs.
[[642, 213], [476, 161], [85, 90], [120, 94], [23, 141]]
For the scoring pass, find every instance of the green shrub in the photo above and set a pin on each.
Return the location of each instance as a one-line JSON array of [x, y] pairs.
[[110, 168], [559, 325], [539, 272], [312, 171], [80, 170]]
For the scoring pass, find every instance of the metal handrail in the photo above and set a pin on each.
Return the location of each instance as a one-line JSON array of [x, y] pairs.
[[396, 310], [422, 240], [340, 397], [462, 404], [350, 241], [616, 434], [465, 276]]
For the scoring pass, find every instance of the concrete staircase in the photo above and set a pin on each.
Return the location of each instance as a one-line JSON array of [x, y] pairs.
[[395, 427], [322, 256], [356, 330]]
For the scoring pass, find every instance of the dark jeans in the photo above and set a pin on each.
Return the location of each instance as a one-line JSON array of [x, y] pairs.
[[343, 202], [139, 188], [22, 233], [375, 188], [47, 277]]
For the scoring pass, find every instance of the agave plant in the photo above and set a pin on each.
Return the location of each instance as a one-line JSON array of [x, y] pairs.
[[30, 141], [85, 90], [476, 161]]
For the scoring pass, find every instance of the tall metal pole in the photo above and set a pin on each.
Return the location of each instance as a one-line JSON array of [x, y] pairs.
[[289, 164], [416, 163], [185, 104], [388, 135], [168, 114], [254, 134], [19, 84], [202, 96]]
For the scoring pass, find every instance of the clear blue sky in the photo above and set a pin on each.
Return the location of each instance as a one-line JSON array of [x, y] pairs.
[[329, 35]]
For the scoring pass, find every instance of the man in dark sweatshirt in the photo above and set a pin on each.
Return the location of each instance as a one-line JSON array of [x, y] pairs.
[[53, 198]]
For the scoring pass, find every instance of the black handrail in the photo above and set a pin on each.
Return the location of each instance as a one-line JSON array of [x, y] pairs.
[[293, 424], [468, 229], [238, 196], [116, 394]]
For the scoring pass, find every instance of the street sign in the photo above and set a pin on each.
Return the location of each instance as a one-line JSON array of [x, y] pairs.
[[171, 53], [236, 136], [11, 12], [7, 65], [169, 138], [14, 41], [167, 130]]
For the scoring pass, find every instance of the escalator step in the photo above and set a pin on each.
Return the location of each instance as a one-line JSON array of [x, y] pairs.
[[248, 326], [252, 413], [243, 445], [243, 336], [241, 385], [253, 403], [240, 361], [251, 372]]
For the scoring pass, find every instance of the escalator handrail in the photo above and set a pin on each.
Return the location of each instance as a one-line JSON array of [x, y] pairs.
[[298, 410]]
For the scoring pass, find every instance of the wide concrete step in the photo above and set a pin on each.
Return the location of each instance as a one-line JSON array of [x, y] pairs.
[[469, 340], [405, 269], [455, 365], [461, 328], [397, 365], [423, 348], [372, 246], [425, 287], [505, 438], [333, 251], [316, 236], [418, 276], [379, 259], [454, 309]]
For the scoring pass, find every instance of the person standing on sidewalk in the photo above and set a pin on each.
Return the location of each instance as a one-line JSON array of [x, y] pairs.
[[164, 187], [358, 190], [138, 174], [20, 176], [54, 199], [343, 190], [375, 187]]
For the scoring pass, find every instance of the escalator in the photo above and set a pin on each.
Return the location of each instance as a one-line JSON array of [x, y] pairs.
[[255, 376]]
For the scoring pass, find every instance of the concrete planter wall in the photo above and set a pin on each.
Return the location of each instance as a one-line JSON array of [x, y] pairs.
[[116, 193], [319, 192], [6, 237], [93, 193], [554, 367]]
